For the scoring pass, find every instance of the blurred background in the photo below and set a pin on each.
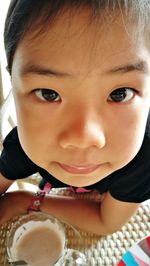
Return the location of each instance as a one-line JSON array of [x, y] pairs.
[[7, 107], [7, 110]]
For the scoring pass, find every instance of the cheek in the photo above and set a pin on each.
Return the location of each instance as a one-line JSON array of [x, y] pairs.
[[34, 133], [128, 137], [35, 144]]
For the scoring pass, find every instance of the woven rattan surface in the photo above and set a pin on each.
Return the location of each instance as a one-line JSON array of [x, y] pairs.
[[99, 250]]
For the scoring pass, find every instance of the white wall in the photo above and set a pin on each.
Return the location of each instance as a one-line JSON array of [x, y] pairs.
[[5, 76]]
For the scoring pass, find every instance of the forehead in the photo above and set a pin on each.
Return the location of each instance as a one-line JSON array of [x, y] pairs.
[[80, 40]]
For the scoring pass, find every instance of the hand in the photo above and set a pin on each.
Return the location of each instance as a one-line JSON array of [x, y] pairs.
[[14, 203]]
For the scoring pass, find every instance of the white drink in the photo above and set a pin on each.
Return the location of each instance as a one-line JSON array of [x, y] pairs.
[[38, 243]]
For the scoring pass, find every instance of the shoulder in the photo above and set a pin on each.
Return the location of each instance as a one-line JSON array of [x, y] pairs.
[[11, 137], [11, 144], [132, 182], [14, 163]]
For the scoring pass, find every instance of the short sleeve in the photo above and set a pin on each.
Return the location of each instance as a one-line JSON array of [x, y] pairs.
[[132, 182], [14, 163]]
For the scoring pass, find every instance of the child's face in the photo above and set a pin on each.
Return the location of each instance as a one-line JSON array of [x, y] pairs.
[[88, 130]]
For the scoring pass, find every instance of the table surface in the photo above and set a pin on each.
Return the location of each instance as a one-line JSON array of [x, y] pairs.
[[98, 250]]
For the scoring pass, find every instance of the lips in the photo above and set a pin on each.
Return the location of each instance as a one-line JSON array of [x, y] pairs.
[[79, 169]]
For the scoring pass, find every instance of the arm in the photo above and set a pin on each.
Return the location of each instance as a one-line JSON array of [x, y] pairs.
[[100, 218], [12, 203]]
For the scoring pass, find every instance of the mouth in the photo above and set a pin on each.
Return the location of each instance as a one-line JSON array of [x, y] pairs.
[[79, 169]]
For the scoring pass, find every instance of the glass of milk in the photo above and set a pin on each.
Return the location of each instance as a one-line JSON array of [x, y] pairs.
[[37, 239]]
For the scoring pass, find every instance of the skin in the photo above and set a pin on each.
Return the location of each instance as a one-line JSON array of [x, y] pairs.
[[83, 127]]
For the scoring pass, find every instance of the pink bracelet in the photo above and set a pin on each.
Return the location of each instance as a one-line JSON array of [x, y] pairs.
[[37, 200], [39, 197]]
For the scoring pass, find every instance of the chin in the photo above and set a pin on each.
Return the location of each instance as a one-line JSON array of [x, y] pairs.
[[78, 180]]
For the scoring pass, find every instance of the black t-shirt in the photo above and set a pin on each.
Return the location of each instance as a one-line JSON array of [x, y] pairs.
[[130, 183]]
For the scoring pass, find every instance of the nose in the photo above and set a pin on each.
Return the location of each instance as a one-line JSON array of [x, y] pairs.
[[82, 131]]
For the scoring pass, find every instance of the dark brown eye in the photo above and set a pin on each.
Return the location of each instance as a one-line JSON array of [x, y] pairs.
[[121, 95], [47, 95]]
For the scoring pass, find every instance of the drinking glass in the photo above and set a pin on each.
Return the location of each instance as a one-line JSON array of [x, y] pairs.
[[38, 239]]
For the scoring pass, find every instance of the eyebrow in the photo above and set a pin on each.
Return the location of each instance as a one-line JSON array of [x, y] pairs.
[[41, 70], [36, 69], [140, 66]]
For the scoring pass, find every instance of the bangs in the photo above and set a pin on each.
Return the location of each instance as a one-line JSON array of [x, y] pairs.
[[36, 15]]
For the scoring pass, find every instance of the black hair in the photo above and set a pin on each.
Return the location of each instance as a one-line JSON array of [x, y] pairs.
[[23, 15]]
